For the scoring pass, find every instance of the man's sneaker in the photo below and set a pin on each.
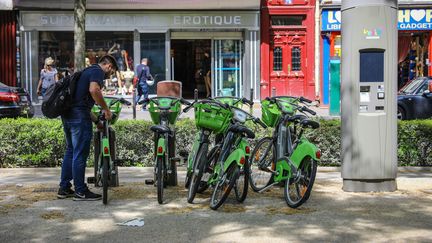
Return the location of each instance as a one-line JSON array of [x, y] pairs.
[[64, 193], [87, 196]]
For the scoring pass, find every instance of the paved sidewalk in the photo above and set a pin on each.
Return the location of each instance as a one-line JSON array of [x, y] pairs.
[[29, 212]]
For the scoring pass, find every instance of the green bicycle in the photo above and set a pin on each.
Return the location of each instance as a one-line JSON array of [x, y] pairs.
[[164, 112], [212, 116], [105, 163], [286, 157], [230, 160]]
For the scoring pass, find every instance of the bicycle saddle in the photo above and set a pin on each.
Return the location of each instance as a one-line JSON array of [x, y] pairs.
[[306, 123], [242, 129], [160, 129], [296, 118]]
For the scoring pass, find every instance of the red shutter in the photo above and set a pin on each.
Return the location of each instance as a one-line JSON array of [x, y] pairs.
[[8, 48]]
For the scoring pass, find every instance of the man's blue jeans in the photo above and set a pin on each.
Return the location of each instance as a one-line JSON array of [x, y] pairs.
[[78, 133], [142, 90]]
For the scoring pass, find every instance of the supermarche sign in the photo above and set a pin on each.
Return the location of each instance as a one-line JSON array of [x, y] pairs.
[[408, 19]]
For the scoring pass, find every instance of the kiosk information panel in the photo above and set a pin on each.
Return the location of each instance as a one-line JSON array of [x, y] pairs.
[[368, 95]]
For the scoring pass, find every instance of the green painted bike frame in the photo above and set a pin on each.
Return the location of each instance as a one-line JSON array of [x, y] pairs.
[[304, 149], [194, 151], [234, 157]]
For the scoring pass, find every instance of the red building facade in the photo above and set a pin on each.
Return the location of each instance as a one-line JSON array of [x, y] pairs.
[[287, 48], [8, 48]]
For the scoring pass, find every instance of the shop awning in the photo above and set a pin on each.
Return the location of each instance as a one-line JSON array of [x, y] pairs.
[[142, 4]]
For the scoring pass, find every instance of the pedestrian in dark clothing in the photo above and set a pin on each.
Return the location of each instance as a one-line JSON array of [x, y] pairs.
[[206, 71], [143, 74], [77, 126]]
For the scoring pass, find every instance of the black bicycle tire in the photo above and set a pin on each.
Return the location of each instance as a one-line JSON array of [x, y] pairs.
[[196, 179], [105, 174], [232, 172], [241, 197], [251, 159], [308, 189], [159, 179]]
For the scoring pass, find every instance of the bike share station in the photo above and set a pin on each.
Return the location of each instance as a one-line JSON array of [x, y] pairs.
[[368, 95]]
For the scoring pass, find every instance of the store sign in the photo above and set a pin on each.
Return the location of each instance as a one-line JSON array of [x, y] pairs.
[[415, 19], [140, 21], [408, 19], [331, 20]]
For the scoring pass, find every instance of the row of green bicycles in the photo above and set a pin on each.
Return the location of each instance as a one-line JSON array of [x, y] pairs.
[[221, 157]]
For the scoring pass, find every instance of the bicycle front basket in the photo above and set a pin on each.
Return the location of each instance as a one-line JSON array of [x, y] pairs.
[[212, 117]]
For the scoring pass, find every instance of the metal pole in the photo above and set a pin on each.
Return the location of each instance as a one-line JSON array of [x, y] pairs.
[[134, 103]]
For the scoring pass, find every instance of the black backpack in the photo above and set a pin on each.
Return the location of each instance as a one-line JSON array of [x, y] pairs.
[[58, 97]]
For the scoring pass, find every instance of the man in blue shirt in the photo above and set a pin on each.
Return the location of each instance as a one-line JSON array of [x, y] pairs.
[[143, 74], [77, 126]]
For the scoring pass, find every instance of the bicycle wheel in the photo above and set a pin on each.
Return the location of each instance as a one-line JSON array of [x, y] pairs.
[[212, 157], [262, 163], [242, 183], [105, 174], [298, 187], [197, 173], [223, 186], [160, 179]]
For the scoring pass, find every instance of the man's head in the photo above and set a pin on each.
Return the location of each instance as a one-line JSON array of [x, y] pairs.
[[144, 61], [108, 64]]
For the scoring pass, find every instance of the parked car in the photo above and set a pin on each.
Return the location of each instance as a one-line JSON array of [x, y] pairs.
[[415, 99], [15, 102]]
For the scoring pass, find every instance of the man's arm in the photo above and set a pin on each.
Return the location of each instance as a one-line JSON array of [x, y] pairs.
[[97, 96]]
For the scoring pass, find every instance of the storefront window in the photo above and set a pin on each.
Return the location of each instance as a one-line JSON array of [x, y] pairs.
[[59, 45], [228, 67], [153, 48], [277, 59]]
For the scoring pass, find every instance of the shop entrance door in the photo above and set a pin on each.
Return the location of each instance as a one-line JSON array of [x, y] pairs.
[[288, 61], [228, 80], [187, 60]]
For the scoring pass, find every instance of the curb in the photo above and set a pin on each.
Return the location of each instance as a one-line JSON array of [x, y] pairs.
[[401, 169]]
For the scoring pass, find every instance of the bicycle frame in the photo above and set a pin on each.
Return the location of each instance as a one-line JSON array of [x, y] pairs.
[[237, 154], [289, 155]]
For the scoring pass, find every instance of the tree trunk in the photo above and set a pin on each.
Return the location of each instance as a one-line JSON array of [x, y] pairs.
[[79, 34]]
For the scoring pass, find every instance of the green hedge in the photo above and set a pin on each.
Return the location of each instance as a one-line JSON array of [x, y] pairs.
[[40, 142]]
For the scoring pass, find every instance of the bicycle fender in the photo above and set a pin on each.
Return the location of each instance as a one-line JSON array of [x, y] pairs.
[[161, 144], [304, 149], [106, 147], [235, 157], [243, 144]]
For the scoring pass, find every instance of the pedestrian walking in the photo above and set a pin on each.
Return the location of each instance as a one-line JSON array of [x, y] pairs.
[[77, 126], [48, 76], [143, 74]]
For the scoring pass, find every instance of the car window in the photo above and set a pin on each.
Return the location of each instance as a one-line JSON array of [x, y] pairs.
[[411, 87], [423, 88]]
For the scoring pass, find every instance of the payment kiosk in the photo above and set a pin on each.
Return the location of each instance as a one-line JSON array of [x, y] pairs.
[[368, 95]]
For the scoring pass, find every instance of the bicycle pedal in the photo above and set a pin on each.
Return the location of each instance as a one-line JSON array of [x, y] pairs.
[[149, 181], [91, 180]]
